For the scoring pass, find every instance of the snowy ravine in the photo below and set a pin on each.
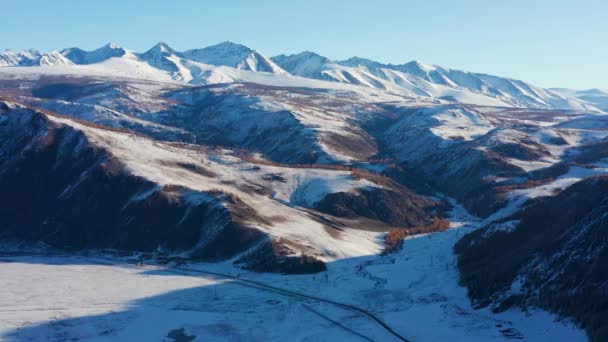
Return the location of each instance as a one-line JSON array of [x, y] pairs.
[[415, 292]]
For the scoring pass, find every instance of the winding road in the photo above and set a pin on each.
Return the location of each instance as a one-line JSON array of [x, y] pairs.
[[244, 281], [291, 293]]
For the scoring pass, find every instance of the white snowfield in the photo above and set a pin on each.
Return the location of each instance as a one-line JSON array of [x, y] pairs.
[[415, 292]]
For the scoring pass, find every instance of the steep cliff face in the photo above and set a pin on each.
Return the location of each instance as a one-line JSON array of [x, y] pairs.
[[553, 254]]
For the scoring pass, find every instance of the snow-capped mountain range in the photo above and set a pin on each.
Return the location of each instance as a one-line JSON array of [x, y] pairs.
[[300, 164], [32, 58], [229, 62]]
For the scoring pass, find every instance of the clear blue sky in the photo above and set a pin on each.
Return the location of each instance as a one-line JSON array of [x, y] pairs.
[[547, 42]]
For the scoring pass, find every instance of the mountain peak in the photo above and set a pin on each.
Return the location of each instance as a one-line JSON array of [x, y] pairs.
[[419, 65], [161, 48], [309, 53], [112, 45], [80, 56], [228, 45], [105, 52], [233, 55], [298, 57], [224, 52], [358, 61], [305, 63], [313, 55]]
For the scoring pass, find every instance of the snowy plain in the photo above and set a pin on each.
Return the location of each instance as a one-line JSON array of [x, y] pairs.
[[416, 292]]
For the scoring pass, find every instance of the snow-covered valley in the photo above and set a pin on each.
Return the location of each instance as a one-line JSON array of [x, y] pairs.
[[219, 194]]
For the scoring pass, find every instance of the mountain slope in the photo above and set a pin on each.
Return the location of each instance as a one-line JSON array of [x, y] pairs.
[[62, 188], [424, 145], [213, 203], [553, 254]]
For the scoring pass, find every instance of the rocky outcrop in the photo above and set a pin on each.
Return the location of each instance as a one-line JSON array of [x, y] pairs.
[[395, 208], [275, 256]]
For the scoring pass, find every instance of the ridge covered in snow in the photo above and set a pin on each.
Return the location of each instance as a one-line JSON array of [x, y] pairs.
[[80, 56], [429, 80], [231, 62], [32, 58], [234, 55]]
